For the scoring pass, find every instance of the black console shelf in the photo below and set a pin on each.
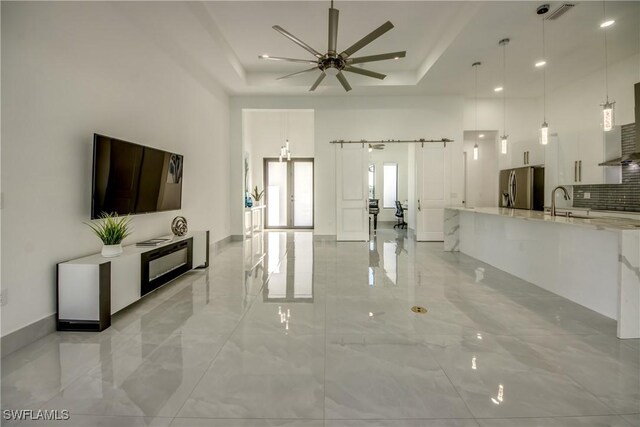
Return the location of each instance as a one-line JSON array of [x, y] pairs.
[[147, 283]]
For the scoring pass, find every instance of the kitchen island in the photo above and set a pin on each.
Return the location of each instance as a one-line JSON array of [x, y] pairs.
[[594, 262]]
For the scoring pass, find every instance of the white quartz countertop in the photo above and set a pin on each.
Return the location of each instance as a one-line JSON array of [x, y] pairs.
[[598, 223]]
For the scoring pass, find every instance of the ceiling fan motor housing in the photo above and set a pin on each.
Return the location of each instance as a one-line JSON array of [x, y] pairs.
[[327, 62]]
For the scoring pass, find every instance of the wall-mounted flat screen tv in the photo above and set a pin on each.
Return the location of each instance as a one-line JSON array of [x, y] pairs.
[[133, 179]]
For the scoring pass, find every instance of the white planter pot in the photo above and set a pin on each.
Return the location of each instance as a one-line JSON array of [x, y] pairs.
[[110, 251]]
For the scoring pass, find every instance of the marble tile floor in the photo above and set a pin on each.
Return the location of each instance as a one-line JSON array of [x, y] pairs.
[[282, 331]]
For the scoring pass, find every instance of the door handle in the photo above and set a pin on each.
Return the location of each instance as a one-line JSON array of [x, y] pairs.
[[580, 170], [419, 207], [575, 171]]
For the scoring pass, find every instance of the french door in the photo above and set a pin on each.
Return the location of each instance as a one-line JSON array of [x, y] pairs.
[[288, 193]]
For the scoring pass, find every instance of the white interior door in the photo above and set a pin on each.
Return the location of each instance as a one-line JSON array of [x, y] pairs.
[[352, 165], [433, 189]]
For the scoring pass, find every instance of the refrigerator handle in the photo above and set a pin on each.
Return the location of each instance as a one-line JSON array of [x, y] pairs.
[[575, 171], [515, 189], [509, 190], [580, 170]]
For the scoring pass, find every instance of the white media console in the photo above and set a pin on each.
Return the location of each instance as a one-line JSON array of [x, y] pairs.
[[92, 288]]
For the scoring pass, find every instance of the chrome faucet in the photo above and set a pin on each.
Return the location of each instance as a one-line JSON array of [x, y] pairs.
[[553, 198]]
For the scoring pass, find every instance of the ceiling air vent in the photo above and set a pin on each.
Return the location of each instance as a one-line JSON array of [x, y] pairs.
[[561, 10]]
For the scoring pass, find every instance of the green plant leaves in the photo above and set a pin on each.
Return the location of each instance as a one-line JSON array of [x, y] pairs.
[[256, 195], [111, 228]]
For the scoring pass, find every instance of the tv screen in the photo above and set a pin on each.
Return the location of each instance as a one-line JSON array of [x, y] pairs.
[[133, 179]]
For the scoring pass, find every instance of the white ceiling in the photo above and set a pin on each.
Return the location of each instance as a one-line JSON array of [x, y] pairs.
[[221, 41]]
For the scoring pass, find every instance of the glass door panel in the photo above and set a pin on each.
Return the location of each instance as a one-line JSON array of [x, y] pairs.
[[277, 201], [302, 194], [289, 193]]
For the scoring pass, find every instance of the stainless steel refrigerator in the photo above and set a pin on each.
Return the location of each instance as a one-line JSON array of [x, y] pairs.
[[522, 188]]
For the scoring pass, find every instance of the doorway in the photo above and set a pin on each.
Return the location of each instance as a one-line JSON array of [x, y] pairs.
[[481, 168], [289, 193]]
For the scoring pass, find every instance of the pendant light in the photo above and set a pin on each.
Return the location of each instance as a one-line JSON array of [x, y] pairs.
[[476, 149], [284, 149], [544, 128], [608, 117], [504, 137]]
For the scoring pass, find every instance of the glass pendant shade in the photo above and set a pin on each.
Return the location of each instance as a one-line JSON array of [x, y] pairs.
[[503, 144], [544, 134], [475, 152], [608, 118]]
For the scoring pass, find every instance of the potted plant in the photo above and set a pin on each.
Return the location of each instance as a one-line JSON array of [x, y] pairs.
[[112, 230], [257, 195]]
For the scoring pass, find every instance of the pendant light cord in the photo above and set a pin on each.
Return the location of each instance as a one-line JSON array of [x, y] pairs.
[[476, 102], [606, 56], [504, 88], [544, 78]]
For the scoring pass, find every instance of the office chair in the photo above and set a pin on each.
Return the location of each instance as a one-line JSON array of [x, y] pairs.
[[400, 216]]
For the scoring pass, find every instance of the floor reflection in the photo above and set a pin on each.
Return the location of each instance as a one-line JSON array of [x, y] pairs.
[[289, 259], [393, 246]]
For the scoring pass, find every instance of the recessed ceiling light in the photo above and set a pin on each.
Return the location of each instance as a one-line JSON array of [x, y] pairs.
[[481, 135], [264, 56], [397, 57], [541, 63], [607, 23], [498, 89]]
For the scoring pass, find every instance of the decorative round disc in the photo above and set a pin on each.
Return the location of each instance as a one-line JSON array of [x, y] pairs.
[[179, 226]]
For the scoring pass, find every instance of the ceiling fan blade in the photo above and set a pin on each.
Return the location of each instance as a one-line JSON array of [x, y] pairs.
[[297, 41], [368, 39], [296, 73], [343, 81], [333, 30], [381, 57], [277, 58], [364, 72], [318, 81]]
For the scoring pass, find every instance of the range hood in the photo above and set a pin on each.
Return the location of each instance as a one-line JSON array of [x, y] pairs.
[[634, 156]]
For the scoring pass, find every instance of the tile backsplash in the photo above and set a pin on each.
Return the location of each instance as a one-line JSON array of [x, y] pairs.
[[619, 197]]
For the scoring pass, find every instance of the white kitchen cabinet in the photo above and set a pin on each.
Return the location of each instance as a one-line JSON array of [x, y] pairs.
[[579, 155], [568, 153], [525, 153]]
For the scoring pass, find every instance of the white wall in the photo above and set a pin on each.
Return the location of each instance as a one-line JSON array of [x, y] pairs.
[[524, 116], [398, 154], [574, 111], [482, 174], [265, 132], [352, 118], [69, 70]]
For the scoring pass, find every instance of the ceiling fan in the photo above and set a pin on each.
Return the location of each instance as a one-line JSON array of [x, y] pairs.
[[335, 63]]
